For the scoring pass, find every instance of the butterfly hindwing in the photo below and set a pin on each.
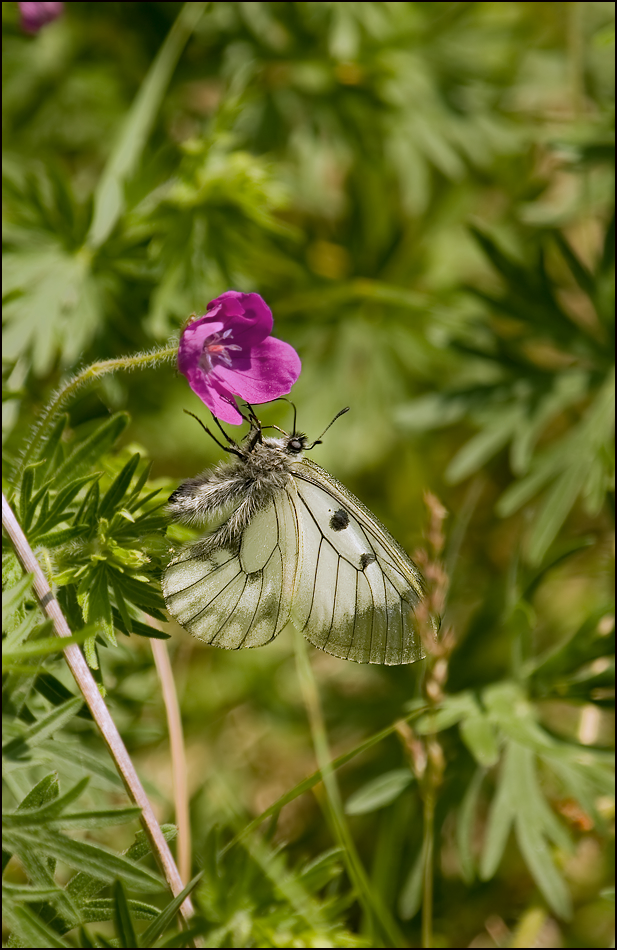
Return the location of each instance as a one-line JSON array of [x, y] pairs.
[[239, 597], [356, 589]]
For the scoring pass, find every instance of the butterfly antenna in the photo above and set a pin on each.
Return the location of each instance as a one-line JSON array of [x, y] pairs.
[[318, 441], [225, 448], [293, 406]]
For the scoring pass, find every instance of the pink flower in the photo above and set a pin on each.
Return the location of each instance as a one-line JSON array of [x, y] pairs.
[[229, 352], [36, 15]]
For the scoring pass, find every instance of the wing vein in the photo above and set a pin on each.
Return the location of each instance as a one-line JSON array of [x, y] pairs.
[[355, 617], [218, 594], [248, 629], [229, 615], [314, 585], [338, 564], [181, 590]]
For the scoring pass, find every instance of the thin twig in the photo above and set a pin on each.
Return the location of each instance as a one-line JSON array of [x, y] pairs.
[[86, 683], [178, 756]]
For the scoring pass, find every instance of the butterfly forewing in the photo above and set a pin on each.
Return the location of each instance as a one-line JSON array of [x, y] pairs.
[[238, 597], [355, 587]]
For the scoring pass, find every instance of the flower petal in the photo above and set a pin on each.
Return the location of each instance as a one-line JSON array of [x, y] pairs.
[[247, 315], [269, 372], [216, 397]]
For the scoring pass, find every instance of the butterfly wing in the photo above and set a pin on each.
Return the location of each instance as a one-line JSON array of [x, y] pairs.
[[356, 589], [239, 597]]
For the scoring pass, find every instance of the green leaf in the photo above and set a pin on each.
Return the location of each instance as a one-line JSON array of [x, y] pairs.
[[465, 827], [126, 621], [47, 448], [483, 446], [28, 813], [316, 874], [583, 277], [12, 598], [139, 484], [54, 539], [94, 860], [103, 908], [139, 628], [27, 894], [478, 734], [122, 918], [378, 792], [58, 509], [536, 853], [43, 792], [70, 753], [44, 646], [56, 692], [86, 513], [92, 448], [410, 898], [118, 488], [25, 492], [84, 939], [95, 603], [31, 928], [451, 710], [101, 818], [109, 196], [556, 508], [42, 728], [83, 886], [158, 925], [500, 819], [149, 598], [27, 627]]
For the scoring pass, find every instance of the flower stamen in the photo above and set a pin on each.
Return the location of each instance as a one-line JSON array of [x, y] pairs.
[[214, 350]]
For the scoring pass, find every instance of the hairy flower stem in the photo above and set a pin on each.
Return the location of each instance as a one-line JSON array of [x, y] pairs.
[[88, 375], [87, 685]]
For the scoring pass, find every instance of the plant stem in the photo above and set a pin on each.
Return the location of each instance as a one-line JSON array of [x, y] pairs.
[[371, 902], [427, 866], [94, 371], [178, 756], [87, 685]]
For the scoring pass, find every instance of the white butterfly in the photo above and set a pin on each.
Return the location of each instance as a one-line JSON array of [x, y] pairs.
[[291, 544]]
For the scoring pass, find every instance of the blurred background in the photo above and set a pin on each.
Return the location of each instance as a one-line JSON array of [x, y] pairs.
[[423, 194]]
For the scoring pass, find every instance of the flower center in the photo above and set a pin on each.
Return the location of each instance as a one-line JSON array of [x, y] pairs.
[[216, 350]]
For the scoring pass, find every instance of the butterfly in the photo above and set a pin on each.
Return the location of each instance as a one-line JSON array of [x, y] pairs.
[[289, 543]]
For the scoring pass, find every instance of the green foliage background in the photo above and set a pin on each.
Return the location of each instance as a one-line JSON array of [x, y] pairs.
[[423, 194]]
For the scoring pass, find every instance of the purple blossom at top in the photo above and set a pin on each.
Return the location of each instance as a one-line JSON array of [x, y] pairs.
[[229, 352], [36, 15]]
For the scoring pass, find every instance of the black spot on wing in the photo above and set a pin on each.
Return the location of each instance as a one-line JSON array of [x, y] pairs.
[[339, 520], [367, 559]]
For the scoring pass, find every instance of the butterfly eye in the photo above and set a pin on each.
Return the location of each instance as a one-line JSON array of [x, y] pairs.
[[294, 446]]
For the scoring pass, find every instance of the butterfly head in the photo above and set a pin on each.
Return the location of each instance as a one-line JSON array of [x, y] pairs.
[[295, 444]]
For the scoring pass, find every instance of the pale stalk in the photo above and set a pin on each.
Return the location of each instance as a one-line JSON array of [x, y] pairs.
[[87, 685], [178, 754]]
